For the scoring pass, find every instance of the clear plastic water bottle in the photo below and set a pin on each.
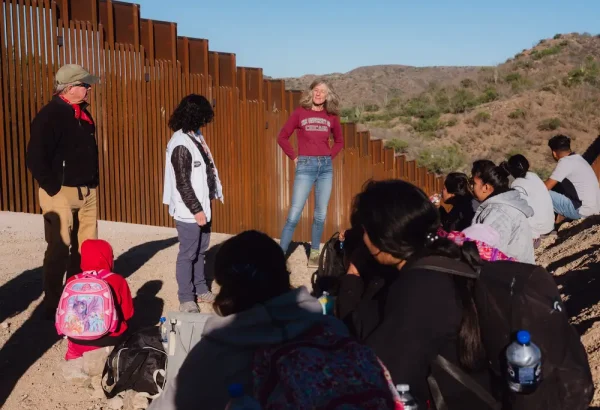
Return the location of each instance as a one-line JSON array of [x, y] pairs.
[[524, 364], [164, 333], [326, 303], [408, 401], [240, 401]]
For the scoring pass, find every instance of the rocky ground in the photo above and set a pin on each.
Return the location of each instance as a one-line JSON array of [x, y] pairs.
[[32, 356], [574, 259]]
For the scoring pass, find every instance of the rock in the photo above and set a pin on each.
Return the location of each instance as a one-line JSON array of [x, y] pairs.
[[93, 362], [72, 371], [135, 401], [116, 403]]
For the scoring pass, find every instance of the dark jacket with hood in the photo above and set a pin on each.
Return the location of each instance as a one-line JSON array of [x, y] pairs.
[[409, 317]]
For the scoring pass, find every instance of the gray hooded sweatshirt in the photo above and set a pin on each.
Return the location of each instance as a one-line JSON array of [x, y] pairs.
[[226, 350], [507, 213]]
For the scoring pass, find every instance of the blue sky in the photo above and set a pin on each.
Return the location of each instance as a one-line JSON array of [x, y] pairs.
[[291, 38]]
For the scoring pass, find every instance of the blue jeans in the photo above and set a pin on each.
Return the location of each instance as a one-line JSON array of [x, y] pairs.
[[563, 206], [310, 171]]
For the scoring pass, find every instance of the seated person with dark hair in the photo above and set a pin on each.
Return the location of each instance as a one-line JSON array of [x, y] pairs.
[[456, 193], [573, 184]]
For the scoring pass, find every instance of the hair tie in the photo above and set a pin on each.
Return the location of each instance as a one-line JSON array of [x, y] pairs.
[[430, 238]]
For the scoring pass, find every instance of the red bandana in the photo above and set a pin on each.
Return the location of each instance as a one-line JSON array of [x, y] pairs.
[[79, 113]]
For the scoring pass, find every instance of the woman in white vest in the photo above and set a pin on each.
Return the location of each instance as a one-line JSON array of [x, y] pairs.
[[191, 182]]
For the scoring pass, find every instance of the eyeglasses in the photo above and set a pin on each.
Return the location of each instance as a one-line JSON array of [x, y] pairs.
[[84, 85]]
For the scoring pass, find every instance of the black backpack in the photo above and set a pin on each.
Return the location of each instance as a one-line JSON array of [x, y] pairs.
[[139, 364], [331, 268], [511, 296]]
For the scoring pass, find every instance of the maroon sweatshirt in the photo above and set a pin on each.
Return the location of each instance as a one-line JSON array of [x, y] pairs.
[[314, 129]]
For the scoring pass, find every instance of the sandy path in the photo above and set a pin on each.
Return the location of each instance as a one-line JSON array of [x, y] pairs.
[[31, 353]]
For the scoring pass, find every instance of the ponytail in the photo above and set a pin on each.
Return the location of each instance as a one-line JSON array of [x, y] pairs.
[[471, 353]]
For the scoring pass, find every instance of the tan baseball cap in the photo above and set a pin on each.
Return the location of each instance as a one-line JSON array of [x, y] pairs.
[[73, 73]]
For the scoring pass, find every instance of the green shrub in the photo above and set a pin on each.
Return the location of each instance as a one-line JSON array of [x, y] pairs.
[[517, 81], [564, 43], [551, 124], [489, 94], [517, 114], [546, 52], [513, 77], [369, 117], [557, 36], [347, 112], [442, 101], [524, 64], [420, 107], [371, 108], [393, 104], [428, 124], [588, 73], [442, 160], [542, 41], [462, 101], [399, 146], [480, 117]]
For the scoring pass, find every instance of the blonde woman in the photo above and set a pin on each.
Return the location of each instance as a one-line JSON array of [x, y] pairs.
[[315, 121]]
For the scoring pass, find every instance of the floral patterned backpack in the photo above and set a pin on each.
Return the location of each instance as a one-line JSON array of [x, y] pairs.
[[322, 370]]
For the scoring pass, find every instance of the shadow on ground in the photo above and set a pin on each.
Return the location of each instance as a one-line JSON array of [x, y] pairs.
[[576, 229], [147, 306], [295, 245], [582, 288], [37, 335]]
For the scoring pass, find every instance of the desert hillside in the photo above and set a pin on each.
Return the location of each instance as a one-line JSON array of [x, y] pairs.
[[378, 84], [448, 116]]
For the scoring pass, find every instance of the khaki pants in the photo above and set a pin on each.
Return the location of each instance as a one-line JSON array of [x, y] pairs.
[[70, 217]]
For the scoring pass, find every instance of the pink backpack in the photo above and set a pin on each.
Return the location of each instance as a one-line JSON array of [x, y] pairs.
[[86, 310]]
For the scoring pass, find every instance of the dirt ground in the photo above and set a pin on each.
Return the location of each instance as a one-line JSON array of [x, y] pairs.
[[31, 354]]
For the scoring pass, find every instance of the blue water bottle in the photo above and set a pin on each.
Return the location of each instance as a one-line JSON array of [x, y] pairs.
[[524, 364]]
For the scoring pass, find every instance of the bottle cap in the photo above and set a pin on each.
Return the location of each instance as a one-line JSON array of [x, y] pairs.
[[403, 388], [235, 390], [163, 319], [523, 337]]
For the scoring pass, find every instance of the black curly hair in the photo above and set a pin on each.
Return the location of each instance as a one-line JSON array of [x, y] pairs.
[[193, 112]]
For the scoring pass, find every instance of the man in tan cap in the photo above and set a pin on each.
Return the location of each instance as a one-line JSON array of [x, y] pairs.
[[63, 158]]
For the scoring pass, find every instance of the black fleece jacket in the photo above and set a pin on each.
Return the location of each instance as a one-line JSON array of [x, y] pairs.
[[408, 317], [460, 216], [62, 149]]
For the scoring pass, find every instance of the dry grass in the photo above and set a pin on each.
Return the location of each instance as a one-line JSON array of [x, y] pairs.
[[553, 87]]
